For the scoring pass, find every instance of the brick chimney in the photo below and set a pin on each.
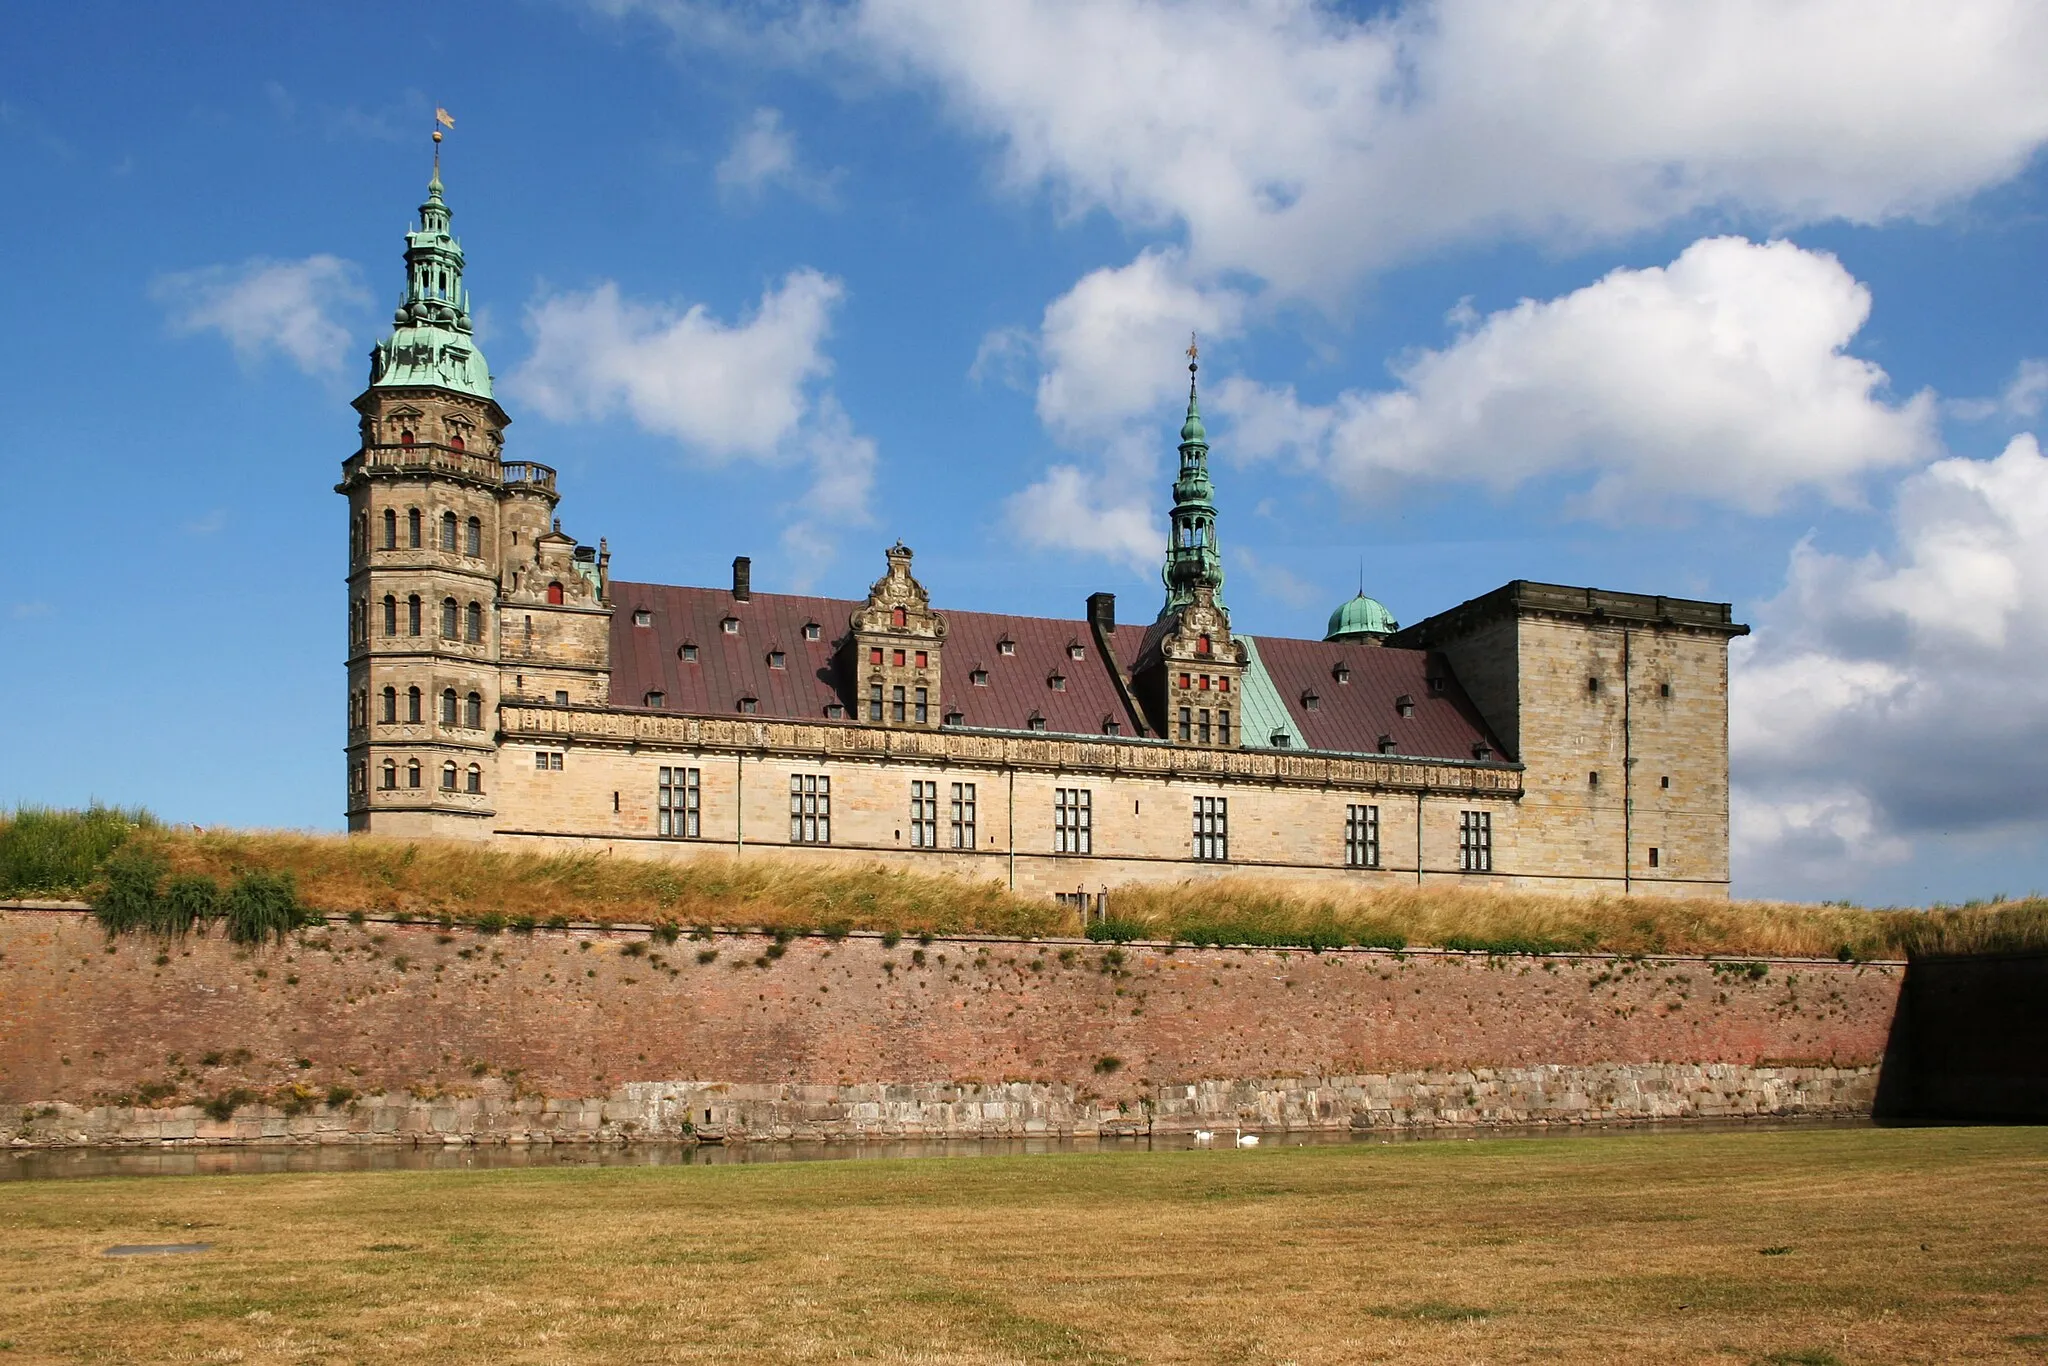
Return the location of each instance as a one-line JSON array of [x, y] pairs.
[[742, 578], [1102, 612]]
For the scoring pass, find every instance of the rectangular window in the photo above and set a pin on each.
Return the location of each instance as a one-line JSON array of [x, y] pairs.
[[1361, 837], [810, 808], [412, 615], [963, 815], [1212, 829], [1475, 841], [1223, 727], [676, 804], [1202, 726], [874, 701], [922, 657], [924, 815], [1187, 724], [921, 710], [1656, 856], [555, 762], [1073, 821], [875, 655], [540, 761], [896, 658], [896, 703]]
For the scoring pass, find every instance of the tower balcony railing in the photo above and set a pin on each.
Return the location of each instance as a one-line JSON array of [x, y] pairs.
[[433, 458]]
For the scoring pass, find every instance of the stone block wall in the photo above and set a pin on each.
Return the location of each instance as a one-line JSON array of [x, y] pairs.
[[407, 1033]]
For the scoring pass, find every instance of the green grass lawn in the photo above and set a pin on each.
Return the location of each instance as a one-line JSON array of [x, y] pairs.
[[1791, 1246]]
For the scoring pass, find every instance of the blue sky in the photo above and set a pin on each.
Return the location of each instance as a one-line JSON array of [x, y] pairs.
[[1737, 302]]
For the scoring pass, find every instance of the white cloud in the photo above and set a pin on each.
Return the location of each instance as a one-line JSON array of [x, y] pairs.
[[1722, 375], [1901, 695], [763, 156], [264, 307], [751, 390], [2022, 396], [1074, 509], [1276, 581], [1309, 148], [722, 389]]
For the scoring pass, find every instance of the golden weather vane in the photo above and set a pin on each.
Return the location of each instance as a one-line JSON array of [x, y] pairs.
[[442, 119], [1194, 349]]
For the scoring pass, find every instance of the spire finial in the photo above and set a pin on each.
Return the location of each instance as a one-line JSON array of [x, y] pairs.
[[442, 119]]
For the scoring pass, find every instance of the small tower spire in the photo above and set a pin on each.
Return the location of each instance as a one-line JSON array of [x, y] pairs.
[[1193, 558], [431, 341]]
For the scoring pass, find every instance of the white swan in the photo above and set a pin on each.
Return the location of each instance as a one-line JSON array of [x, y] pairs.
[[1248, 1141], [1204, 1135]]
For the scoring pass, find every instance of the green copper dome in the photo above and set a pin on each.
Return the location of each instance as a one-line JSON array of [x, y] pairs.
[[1361, 618], [431, 343]]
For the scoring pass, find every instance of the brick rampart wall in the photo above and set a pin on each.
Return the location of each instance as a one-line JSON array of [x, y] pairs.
[[560, 1034]]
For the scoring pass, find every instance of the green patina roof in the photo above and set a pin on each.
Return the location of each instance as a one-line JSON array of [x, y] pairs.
[[1261, 712], [431, 342], [1194, 557], [1362, 616]]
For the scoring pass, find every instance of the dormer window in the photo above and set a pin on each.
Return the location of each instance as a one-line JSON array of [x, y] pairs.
[[1074, 650], [812, 631], [687, 652], [654, 699], [731, 626], [835, 711], [1405, 705], [1006, 646], [1035, 722], [1482, 751], [979, 678], [777, 659], [1279, 739], [1057, 682], [1342, 673], [1309, 700], [748, 706], [955, 717], [642, 617], [1111, 726], [1386, 744]]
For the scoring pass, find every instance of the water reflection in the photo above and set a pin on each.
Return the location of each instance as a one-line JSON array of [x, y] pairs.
[[59, 1163]]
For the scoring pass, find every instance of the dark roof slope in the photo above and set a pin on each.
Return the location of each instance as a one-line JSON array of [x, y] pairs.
[[1352, 716], [729, 666], [1040, 676]]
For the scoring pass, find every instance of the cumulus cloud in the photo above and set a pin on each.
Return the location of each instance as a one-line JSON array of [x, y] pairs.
[[1306, 147], [1903, 694], [265, 307], [763, 156], [751, 390], [1723, 375], [1070, 508]]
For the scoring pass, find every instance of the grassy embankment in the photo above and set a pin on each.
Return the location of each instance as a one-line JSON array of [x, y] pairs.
[[1815, 1247], [141, 874]]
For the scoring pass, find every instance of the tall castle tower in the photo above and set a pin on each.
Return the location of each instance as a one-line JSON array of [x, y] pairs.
[[446, 540]]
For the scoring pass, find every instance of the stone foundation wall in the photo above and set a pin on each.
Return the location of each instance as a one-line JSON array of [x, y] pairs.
[[408, 1033]]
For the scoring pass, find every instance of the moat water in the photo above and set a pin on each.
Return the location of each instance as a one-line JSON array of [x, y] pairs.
[[49, 1164]]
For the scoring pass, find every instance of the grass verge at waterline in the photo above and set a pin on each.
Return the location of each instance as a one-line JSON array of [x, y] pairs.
[[1844, 1246], [144, 875]]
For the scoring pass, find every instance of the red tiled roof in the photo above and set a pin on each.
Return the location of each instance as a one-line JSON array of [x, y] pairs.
[[1352, 716], [732, 666]]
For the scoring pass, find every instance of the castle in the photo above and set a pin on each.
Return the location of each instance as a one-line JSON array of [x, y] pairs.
[[503, 686]]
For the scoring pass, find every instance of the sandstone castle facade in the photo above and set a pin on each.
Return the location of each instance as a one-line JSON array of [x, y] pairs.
[[504, 686]]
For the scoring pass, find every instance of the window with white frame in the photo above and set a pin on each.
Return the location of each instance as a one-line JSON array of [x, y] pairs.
[[1212, 829], [1361, 837], [1073, 820], [677, 804], [963, 815], [1475, 841], [810, 808], [924, 815]]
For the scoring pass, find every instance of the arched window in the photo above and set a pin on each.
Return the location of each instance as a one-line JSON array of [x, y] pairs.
[[475, 782], [412, 527], [555, 594], [448, 777], [390, 707], [390, 615], [391, 528], [412, 615], [899, 617], [473, 623], [448, 705], [455, 442], [473, 711], [451, 624], [448, 531], [390, 775], [405, 437], [412, 709], [412, 773], [474, 545]]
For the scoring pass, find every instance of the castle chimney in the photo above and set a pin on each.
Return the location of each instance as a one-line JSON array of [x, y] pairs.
[[742, 578], [1102, 612]]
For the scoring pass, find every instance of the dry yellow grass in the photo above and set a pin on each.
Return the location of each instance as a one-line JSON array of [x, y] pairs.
[[1813, 1246]]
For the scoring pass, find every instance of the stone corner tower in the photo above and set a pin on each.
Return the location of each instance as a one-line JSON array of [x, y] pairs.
[[440, 526]]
